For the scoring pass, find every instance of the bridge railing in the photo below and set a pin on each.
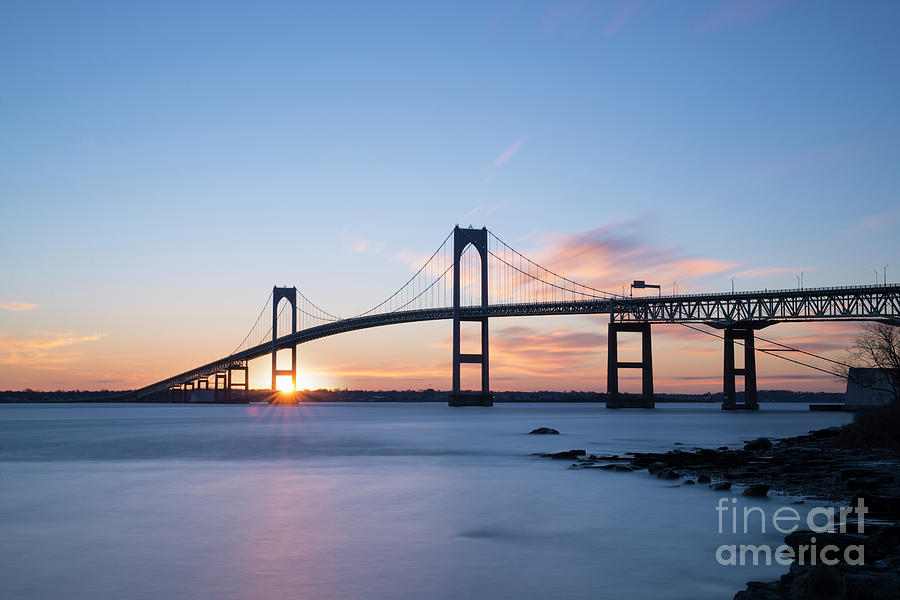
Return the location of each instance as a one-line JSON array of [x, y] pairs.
[[812, 290]]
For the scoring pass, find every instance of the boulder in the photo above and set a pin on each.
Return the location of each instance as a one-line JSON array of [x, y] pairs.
[[721, 486], [656, 467], [827, 582], [568, 454], [858, 474], [704, 479], [862, 484], [544, 431], [668, 474], [828, 432], [883, 543], [757, 491], [824, 538], [758, 444]]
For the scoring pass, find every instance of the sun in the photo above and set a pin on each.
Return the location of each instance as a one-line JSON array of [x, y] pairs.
[[285, 386]]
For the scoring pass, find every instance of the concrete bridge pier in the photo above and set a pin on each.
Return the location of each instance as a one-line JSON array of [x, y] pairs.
[[614, 399], [744, 334], [462, 238]]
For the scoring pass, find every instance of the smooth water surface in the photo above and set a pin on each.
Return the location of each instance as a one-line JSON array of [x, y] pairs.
[[374, 501]]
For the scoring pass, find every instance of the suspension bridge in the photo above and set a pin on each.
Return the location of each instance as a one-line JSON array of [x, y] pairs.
[[475, 276]]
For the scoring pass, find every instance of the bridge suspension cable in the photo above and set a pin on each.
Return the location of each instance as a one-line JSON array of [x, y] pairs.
[[422, 290], [556, 287], [775, 354], [801, 351], [254, 330]]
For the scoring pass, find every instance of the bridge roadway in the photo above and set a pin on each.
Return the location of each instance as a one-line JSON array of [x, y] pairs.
[[734, 312]]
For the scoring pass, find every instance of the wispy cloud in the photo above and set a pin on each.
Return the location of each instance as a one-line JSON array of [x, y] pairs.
[[561, 353], [509, 152], [614, 254], [364, 246], [359, 244], [629, 9], [472, 212], [879, 220], [413, 260], [44, 351], [565, 16], [740, 12], [495, 208], [17, 306]]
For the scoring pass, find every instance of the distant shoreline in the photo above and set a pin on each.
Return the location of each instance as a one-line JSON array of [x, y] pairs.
[[765, 396]]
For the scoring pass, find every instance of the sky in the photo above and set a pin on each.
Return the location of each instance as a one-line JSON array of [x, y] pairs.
[[163, 165]]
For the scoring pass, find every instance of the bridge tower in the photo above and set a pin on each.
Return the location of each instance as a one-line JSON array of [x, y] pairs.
[[478, 238], [614, 399], [745, 335], [289, 294]]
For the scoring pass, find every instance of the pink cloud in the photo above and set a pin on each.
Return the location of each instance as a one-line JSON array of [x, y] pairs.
[[17, 306], [43, 352], [507, 154], [608, 257], [364, 246], [879, 220]]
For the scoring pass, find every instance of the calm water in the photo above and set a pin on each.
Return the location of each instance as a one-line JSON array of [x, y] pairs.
[[375, 501]]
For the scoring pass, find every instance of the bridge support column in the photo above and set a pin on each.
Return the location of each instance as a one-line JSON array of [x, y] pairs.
[[289, 294], [185, 396], [614, 399], [461, 240], [223, 377], [749, 371], [244, 385]]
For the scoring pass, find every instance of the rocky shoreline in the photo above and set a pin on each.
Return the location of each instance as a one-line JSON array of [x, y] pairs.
[[817, 466]]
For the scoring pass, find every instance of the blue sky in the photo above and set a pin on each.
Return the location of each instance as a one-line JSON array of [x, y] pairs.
[[162, 165]]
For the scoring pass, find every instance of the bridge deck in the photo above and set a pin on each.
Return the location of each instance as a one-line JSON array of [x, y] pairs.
[[859, 303]]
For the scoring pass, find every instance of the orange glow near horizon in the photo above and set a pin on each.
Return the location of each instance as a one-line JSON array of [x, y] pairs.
[[284, 384]]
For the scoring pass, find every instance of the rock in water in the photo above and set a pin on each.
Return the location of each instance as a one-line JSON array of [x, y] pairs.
[[568, 454], [656, 467], [668, 474], [544, 431], [757, 491], [758, 444], [721, 486], [862, 484], [704, 479]]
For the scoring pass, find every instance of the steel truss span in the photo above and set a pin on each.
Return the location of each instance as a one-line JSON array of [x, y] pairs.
[[475, 276]]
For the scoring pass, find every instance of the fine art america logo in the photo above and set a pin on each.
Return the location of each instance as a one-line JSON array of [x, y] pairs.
[[786, 520]]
